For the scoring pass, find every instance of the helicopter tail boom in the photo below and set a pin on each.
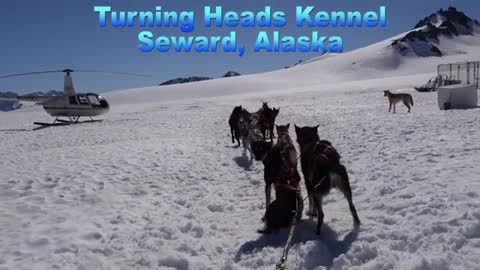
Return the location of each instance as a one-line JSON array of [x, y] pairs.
[[68, 88], [36, 99]]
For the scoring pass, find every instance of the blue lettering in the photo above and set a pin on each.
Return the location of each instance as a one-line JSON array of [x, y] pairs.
[[304, 15], [209, 16], [102, 12], [146, 38], [262, 43]]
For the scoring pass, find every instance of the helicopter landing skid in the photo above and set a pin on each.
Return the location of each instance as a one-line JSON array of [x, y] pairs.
[[62, 122]]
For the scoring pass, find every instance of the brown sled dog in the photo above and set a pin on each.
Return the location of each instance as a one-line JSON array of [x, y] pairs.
[[397, 98], [322, 171]]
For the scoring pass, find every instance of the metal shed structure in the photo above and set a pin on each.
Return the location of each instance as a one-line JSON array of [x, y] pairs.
[[461, 72], [459, 90]]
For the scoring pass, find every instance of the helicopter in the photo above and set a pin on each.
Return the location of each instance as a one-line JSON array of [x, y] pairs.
[[68, 109]]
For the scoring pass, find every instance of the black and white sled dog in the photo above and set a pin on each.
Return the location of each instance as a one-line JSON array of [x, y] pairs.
[[252, 133], [261, 122], [246, 127], [245, 122], [322, 171], [280, 170], [285, 143]]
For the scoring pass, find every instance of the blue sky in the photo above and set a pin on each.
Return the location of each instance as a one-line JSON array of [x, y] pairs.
[[56, 34]]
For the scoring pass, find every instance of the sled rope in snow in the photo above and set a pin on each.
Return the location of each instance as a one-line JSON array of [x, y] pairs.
[[282, 265]]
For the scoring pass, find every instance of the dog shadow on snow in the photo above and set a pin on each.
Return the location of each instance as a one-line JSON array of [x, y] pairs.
[[244, 161], [326, 248]]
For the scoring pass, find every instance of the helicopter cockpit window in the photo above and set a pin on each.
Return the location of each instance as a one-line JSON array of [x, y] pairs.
[[83, 99], [93, 100], [72, 100], [103, 102]]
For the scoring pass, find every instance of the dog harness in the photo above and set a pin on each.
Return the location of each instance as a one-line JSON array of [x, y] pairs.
[[288, 179]]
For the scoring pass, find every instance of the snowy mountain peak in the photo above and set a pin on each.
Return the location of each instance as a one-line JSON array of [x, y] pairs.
[[424, 39], [451, 19]]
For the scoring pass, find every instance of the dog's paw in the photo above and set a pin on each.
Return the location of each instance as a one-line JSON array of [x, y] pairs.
[[264, 231]]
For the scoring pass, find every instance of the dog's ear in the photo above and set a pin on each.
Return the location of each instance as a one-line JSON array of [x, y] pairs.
[[316, 127], [297, 129], [276, 111], [288, 126]]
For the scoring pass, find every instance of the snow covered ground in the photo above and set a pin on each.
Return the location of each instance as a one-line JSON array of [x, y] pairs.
[[158, 184]]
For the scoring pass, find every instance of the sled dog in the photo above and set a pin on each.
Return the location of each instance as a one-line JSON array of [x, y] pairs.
[[397, 98], [245, 120], [280, 169], [233, 123], [322, 171], [267, 120]]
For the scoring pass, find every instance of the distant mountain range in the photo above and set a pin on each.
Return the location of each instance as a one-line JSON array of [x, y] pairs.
[[197, 79], [424, 40], [7, 105]]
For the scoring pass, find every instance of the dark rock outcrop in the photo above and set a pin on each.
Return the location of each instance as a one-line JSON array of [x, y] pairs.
[[197, 78], [185, 80], [231, 74]]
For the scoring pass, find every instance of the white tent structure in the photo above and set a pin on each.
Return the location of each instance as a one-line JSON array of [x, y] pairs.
[[461, 91]]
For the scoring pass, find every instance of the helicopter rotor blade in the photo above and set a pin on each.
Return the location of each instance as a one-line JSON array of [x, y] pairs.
[[73, 70], [114, 73], [30, 73]]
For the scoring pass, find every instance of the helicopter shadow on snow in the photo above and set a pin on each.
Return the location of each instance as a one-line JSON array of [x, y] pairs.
[[15, 130], [47, 125], [327, 246], [41, 126], [22, 129], [12, 130], [121, 120]]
